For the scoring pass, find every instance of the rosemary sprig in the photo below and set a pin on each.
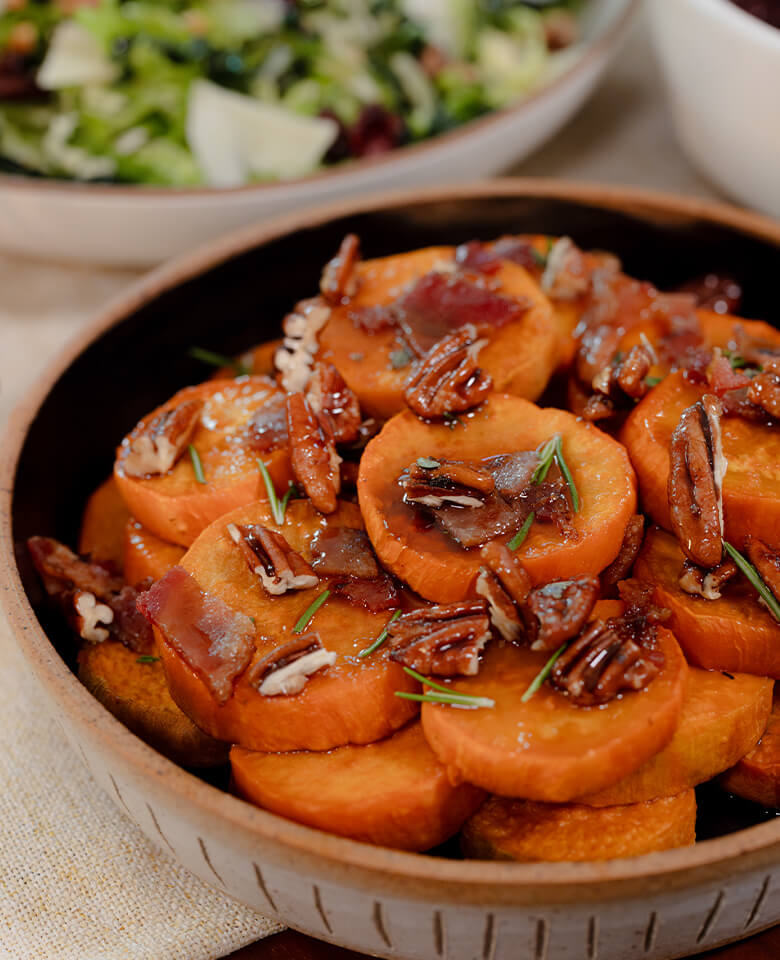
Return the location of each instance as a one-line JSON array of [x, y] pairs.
[[543, 674], [197, 466], [441, 694], [147, 658], [305, 618], [653, 381], [755, 579], [278, 506], [519, 538], [382, 636], [546, 457], [219, 360], [542, 258], [564, 468]]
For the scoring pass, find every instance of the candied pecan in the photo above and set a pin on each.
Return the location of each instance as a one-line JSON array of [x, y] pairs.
[[598, 407], [313, 454], [626, 377], [504, 582], [600, 664], [271, 557], [764, 390], [641, 610], [766, 561], [334, 404], [444, 640], [696, 469], [561, 29], [161, 441], [558, 610], [286, 669], [90, 618], [435, 483], [448, 378], [706, 583], [621, 566], [338, 281], [294, 358], [565, 276]]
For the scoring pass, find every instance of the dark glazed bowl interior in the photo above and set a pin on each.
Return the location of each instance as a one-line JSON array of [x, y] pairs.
[[143, 359]]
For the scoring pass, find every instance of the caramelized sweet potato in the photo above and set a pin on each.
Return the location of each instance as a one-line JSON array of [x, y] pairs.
[[435, 565], [548, 748], [174, 505], [723, 717], [352, 701], [522, 830], [136, 693], [103, 525], [393, 793], [735, 633], [520, 356], [757, 775], [146, 555], [751, 487], [257, 362]]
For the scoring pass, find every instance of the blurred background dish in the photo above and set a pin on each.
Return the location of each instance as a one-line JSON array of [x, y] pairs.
[[121, 223], [722, 72]]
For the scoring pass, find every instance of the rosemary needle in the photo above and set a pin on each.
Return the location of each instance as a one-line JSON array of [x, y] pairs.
[[442, 694], [381, 638], [543, 674], [219, 360], [197, 466], [755, 579], [305, 618], [564, 468], [518, 539], [277, 508]]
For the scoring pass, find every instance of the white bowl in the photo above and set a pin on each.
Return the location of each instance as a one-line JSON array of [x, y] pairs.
[[722, 70], [138, 226]]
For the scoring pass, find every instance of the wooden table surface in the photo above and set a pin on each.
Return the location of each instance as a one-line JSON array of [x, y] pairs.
[[295, 946]]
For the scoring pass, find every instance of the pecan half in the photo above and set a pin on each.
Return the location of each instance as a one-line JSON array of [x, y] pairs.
[[271, 557], [598, 407], [443, 641], [504, 582], [90, 617], [435, 483], [621, 566], [764, 390], [338, 281], [766, 561], [294, 358], [627, 376], [706, 583], [448, 378], [313, 454], [162, 440], [600, 664], [557, 611], [286, 669], [334, 404], [696, 469]]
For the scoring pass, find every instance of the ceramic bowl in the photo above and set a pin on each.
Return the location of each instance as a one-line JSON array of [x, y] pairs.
[[229, 296], [722, 72], [138, 226]]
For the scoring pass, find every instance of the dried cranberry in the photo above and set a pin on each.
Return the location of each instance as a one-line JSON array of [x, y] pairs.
[[375, 131]]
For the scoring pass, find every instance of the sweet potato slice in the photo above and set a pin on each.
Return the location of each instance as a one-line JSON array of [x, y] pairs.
[[548, 749], [103, 525], [735, 633], [146, 555], [352, 701], [175, 506], [757, 775], [522, 830], [723, 717], [257, 362], [136, 693], [435, 565], [751, 487], [393, 793], [727, 331], [520, 356]]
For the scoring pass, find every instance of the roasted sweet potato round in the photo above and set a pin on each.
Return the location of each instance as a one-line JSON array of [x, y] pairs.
[[393, 793], [522, 830], [352, 701], [735, 633], [520, 356], [751, 487], [757, 775], [102, 535], [135, 691], [175, 506], [437, 567], [723, 717], [146, 555]]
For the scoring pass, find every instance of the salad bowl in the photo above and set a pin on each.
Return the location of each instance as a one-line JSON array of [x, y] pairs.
[[137, 225], [231, 295]]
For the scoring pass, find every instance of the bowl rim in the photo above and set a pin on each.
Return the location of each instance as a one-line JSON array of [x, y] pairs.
[[735, 17], [594, 50], [482, 882]]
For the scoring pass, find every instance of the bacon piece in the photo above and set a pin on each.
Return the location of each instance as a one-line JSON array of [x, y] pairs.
[[213, 639], [376, 596], [344, 552], [766, 561], [621, 566], [715, 291], [478, 257], [267, 430], [722, 378], [61, 570]]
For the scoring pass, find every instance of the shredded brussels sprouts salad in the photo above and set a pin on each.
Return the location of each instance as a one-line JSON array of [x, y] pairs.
[[229, 92]]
